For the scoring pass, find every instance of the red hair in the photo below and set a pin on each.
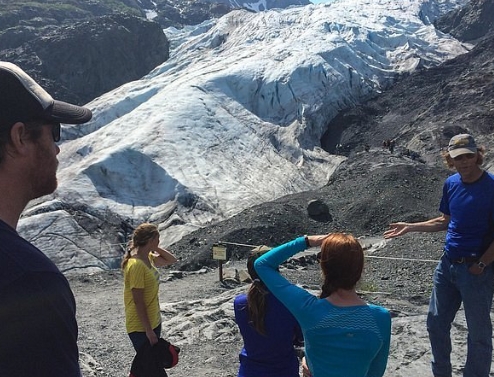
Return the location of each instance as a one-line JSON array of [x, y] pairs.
[[342, 262]]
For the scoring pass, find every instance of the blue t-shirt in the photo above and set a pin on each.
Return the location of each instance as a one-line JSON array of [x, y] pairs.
[[471, 210], [339, 341], [38, 329], [270, 355]]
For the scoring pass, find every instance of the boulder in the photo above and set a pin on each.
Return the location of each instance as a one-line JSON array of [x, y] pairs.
[[317, 209]]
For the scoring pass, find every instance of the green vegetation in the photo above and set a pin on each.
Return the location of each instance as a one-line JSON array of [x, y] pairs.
[[367, 286]]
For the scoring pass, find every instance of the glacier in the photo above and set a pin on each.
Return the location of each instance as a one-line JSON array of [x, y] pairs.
[[233, 119]]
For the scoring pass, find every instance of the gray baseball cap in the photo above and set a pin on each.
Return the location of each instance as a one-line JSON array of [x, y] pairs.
[[461, 144], [23, 99]]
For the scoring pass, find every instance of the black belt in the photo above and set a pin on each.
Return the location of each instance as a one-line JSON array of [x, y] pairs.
[[464, 260]]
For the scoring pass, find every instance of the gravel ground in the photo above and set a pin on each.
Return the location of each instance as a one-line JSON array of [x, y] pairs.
[[400, 285]]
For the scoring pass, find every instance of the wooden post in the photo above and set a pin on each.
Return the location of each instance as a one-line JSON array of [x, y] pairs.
[[220, 269], [220, 254]]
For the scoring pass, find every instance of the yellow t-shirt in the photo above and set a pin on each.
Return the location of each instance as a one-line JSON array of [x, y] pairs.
[[138, 275]]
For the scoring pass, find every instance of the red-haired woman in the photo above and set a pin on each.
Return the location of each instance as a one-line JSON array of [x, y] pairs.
[[344, 336]]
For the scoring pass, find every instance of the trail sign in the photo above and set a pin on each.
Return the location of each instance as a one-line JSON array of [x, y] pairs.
[[219, 252]]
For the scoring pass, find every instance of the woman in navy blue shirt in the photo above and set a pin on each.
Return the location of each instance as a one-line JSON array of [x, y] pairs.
[[268, 329]]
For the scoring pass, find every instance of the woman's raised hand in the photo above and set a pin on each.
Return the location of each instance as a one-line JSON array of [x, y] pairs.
[[317, 240]]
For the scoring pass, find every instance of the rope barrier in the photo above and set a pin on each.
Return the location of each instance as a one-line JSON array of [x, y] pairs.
[[366, 256], [236, 244], [404, 259], [253, 246]]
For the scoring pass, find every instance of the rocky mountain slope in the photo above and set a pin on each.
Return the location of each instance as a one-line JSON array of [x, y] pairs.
[[81, 61], [422, 111], [469, 23]]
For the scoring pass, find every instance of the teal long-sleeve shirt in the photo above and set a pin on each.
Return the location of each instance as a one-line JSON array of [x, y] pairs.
[[348, 341]]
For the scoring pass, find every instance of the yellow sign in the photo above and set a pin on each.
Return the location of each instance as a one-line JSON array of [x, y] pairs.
[[219, 252]]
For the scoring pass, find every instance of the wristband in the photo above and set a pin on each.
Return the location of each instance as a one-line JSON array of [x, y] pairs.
[[307, 243]]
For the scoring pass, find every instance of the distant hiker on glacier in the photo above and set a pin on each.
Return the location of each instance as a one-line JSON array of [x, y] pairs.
[[38, 328], [391, 146], [464, 273], [344, 336]]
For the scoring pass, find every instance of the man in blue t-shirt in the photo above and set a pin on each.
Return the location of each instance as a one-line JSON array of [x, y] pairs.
[[38, 328], [464, 273]]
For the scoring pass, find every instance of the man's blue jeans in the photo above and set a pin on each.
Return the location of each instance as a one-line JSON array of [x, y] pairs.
[[453, 284]]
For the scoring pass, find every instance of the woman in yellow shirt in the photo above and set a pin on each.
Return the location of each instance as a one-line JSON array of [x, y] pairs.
[[141, 284]]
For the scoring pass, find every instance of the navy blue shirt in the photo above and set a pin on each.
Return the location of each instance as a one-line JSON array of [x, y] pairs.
[[273, 354], [38, 328]]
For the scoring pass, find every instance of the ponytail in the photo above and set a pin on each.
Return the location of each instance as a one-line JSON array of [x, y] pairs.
[[327, 289], [256, 302], [256, 297], [127, 254]]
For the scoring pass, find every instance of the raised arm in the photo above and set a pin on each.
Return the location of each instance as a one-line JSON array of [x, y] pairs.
[[163, 257], [295, 298], [436, 224]]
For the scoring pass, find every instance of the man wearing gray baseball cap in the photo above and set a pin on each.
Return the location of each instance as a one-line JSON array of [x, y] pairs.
[[38, 328], [465, 272]]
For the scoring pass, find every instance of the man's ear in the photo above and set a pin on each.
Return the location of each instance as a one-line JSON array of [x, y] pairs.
[[18, 137]]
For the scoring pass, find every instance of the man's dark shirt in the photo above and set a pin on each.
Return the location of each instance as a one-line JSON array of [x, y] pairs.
[[38, 328]]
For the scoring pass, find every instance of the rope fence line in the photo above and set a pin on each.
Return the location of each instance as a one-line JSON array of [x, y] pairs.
[[236, 244], [403, 259], [124, 246], [366, 256]]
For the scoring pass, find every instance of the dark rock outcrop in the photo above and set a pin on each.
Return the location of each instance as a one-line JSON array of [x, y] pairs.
[[422, 111], [180, 14], [80, 62], [15, 13], [469, 23], [318, 210]]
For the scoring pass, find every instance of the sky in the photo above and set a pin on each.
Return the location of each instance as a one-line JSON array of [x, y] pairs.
[[233, 119]]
